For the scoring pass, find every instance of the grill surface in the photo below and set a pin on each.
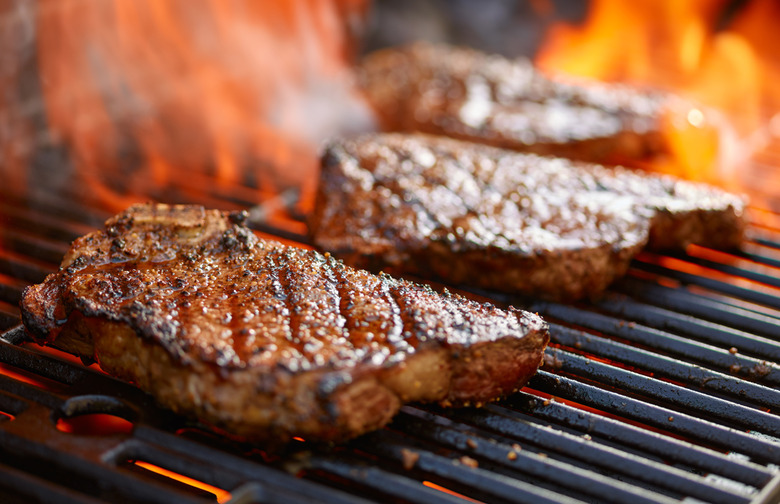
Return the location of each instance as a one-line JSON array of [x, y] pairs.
[[664, 391]]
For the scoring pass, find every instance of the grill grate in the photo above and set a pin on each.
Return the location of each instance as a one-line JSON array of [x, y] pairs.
[[664, 391]]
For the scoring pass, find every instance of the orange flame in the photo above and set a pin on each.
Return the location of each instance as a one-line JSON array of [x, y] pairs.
[[700, 50], [241, 91]]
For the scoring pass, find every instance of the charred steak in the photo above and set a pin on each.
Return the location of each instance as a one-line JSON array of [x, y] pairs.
[[498, 219], [267, 341], [463, 93]]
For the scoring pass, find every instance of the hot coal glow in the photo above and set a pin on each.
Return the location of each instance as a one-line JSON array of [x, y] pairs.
[[219, 494]]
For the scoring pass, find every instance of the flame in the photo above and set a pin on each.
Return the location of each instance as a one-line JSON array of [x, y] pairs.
[[703, 50], [147, 92], [220, 494]]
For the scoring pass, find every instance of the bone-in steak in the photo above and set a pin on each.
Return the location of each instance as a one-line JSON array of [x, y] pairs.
[[498, 219], [267, 341]]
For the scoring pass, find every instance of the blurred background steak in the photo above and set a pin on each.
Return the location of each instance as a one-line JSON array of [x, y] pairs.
[[268, 341], [468, 94], [488, 217]]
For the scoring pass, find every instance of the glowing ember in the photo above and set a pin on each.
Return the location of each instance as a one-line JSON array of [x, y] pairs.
[[145, 91], [449, 492], [29, 378], [683, 47], [94, 424], [221, 495]]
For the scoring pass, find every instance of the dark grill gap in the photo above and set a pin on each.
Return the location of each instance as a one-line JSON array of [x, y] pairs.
[[642, 398]]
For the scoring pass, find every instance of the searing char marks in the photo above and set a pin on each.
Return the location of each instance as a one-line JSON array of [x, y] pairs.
[[268, 341], [493, 218], [464, 93]]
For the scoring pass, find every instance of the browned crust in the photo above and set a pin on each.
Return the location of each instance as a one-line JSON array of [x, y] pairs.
[[376, 210], [431, 88], [556, 275], [90, 308], [723, 228], [302, 405]]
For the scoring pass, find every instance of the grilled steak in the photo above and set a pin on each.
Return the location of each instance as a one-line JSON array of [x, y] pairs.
[[267, 341], [498, 219], [463, 93]]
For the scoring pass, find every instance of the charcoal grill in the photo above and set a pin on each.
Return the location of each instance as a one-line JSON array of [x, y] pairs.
[[664, 391]]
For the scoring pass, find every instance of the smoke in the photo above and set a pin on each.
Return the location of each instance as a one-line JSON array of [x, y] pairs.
[[142, 93]]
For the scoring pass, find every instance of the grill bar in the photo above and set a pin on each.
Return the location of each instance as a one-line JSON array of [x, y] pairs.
[[735, 271], [665, 366], [767, 372], [9, 315], [234, 468], [102, 461], [24, 487], [664, 418], [710, 283], [388, 483], [593, 426], [23, 268], [652, 389], [460, 471], [750, 320], [770, 494], [767, 242], [27, 453], [760, 258], [655, 446], [571, 476], [580, 448], [44, 223], [692, 327]]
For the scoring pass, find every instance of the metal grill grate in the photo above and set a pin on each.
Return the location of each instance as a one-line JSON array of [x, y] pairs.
[[664, 391]]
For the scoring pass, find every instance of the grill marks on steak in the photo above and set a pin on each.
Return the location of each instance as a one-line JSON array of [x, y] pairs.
[[267, 341], [483, 216], [463, 93]]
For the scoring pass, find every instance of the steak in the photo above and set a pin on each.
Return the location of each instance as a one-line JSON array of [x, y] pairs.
[[502, 220], [463, 93], [266, 341]]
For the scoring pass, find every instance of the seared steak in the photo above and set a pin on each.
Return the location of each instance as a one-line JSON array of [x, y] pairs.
[[498, 219], [463, 93], [267, 341]]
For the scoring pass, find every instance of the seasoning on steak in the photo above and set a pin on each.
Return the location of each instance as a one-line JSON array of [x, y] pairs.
[[268, 341], [502, 220], [463, 93]]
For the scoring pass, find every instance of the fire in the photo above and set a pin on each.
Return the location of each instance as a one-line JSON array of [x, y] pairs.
[[703, 50], [147, 92]]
